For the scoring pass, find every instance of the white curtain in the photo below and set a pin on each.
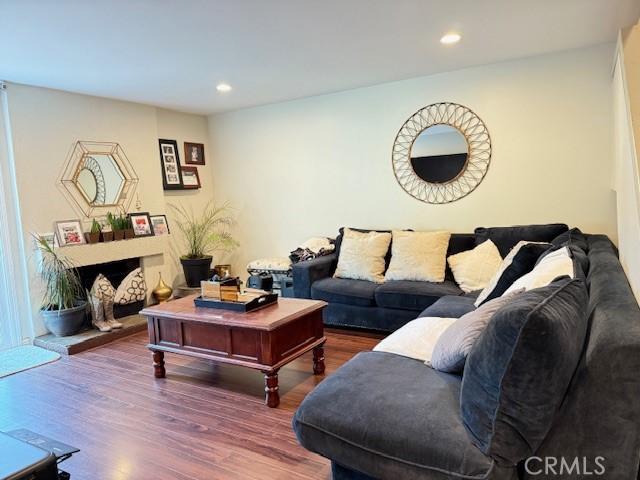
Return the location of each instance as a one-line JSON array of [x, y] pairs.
[[16, 326]]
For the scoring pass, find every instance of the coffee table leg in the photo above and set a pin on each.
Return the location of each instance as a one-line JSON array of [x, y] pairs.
[[318, 360], [272, 398], [158, 364]]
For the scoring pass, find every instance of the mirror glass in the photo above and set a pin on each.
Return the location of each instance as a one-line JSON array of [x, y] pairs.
[[439, 154], [88, 184], [100, 179]]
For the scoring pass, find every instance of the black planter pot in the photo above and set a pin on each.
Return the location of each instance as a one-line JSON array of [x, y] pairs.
[[63, 323], [196, 270]]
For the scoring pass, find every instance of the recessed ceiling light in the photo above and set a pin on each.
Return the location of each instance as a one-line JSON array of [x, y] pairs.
[[450, 38], [223, 87]]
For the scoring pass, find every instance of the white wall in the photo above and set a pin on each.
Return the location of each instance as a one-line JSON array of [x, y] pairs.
[[46, 123], [307, 167], [626, 121]]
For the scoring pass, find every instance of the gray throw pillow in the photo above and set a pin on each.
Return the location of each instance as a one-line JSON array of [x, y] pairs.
[[451, 350]]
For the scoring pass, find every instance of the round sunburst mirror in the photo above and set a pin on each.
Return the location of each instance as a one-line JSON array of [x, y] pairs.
[[441, 153]]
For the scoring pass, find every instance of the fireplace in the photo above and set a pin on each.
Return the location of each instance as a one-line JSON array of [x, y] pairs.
[[115, 272]]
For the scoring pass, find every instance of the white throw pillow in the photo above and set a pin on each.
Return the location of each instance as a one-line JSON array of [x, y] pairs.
[[474, 269], [418, 256], [416, 339], [556, 264], [506, 263], [132, 289], [362, 255]]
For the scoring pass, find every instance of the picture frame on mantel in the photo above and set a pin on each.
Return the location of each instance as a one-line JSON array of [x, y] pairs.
[[194, 153], [69, 232], [170, 161], [142, 226]]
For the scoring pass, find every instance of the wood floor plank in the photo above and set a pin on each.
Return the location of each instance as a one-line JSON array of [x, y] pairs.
[[204, 421]]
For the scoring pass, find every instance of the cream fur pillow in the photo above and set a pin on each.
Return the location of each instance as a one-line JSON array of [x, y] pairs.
[[362, 255], [474, 269], [419, 256]]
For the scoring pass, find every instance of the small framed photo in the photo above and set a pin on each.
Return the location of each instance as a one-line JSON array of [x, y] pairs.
[[170, 161], [190, 177], [141, 224], [194, 153], [50, 238], [160, 225], [69, 232]]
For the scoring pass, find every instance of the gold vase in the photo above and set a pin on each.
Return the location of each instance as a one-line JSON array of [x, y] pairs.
[[162, 292]]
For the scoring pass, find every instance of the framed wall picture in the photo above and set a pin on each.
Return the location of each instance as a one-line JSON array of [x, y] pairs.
[[160, 225], [170, 160], [141, 222], [51, 239], [69, 232], [190, 177], [194, 153]]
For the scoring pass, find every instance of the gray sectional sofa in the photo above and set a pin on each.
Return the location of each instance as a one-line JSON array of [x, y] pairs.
[[385, 416], [388, 306]]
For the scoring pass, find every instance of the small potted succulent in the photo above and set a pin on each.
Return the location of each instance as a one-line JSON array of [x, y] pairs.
[[107, 233], [118, 225], [203, 234], [64, 305], [93, 236]]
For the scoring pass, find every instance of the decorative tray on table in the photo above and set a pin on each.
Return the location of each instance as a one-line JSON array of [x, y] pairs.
[[226, 295]]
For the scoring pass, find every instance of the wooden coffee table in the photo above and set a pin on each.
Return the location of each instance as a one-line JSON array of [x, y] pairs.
[[264, 339]]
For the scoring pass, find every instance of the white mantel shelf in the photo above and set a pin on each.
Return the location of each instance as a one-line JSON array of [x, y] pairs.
[[96, 253]]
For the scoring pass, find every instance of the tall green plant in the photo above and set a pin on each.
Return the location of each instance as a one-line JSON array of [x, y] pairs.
[[62, 281], [207, 232]]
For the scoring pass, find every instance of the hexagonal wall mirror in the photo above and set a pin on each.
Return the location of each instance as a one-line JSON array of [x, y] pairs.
[[98, 178]]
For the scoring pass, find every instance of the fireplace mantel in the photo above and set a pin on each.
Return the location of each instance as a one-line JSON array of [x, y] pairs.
[[96, 253]]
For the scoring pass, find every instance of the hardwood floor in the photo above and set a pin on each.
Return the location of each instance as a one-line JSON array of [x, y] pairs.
[[204, 421]]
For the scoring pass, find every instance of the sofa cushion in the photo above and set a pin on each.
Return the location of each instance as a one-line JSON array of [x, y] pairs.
[[452, 347], [418, 256], [506, 238], [571, 237], [416, 339], [519, 370], [390, 417], [520, 261], [459, 242], [362, 256], [558, 263], [408, 295], [450, 306], [473, 269], [344, 290]]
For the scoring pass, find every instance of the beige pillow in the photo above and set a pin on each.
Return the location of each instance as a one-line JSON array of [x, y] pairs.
[[418, 256], [362, 255], [474, 269]]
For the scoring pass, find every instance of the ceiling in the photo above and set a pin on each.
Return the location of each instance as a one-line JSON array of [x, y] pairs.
[[172, 53]]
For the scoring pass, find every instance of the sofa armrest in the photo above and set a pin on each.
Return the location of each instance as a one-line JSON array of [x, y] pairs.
[[307, 272]]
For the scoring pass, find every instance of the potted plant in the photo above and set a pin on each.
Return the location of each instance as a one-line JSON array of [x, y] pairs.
[[203, 234], [128, 230], [64, 305], [107, 233], [118, 225], [93, 236]]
